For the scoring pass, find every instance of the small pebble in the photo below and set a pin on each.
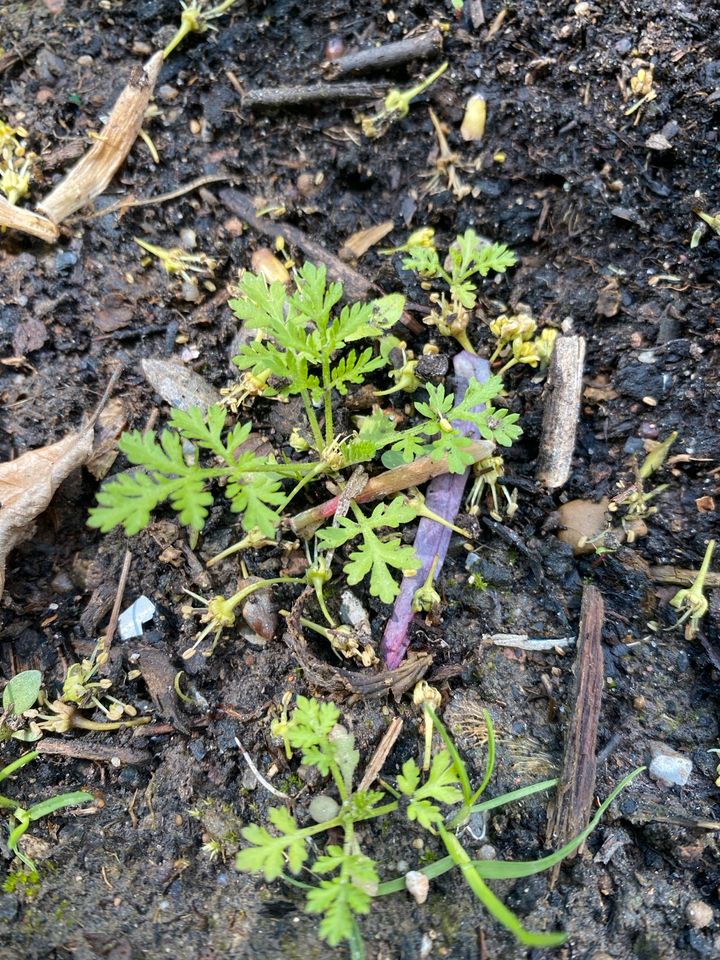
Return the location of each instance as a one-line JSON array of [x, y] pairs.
[[699, 914], [334, 48], [487, 852], [167, 94], [85, 60], [417, 885]]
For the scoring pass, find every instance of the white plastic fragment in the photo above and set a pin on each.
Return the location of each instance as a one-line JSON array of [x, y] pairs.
[[668, 766], [130, 621]]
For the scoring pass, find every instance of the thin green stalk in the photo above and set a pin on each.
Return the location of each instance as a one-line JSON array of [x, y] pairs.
[[329, 432], [312, 420], [241, 595]]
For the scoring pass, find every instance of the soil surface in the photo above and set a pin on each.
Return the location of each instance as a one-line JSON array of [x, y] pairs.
[[598, 205]]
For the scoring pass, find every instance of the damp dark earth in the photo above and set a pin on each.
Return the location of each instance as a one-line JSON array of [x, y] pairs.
[[586, 138]]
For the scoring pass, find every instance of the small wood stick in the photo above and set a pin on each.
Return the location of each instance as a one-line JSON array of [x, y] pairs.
[[570, 810], [422, 45], [298, 95], [562, 412], [115, 615], [381, 754], [92, 174]]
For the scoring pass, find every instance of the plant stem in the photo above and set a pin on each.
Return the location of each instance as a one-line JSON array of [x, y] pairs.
[[241, 595], [329, 432], [312, 420]]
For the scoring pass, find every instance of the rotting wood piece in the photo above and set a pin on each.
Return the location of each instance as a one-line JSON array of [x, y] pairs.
[[418, 47], [297, 95], [92, 174], [356, 286], [338, 682], [569, 812], [101, 753], [562, 411]]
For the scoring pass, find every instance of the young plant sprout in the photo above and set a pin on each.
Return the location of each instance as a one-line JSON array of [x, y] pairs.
[[468, 257], [396, 105], [634, 499], [691, 602], [195, 19], [308, 347], [24, 817], [341, 882], [178, 261], [708, 220]]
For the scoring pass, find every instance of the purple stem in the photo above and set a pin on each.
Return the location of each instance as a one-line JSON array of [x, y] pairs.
[[444, 497]]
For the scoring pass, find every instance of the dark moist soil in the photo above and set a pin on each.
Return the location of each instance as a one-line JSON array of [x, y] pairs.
[[602, 224]]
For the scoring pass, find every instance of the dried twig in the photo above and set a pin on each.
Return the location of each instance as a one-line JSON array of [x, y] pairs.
[[115, 615], [570, 810], [297, 95], [126, 203], [19, 218], [682, 577], [355, 284], [562, 411], [422, 45], [381, 754], [92, 174]]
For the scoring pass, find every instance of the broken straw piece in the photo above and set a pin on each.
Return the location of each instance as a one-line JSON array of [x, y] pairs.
[[444, 497], [130, 621]]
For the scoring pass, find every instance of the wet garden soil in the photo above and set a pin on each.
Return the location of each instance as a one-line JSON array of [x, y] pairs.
[[602, 223]]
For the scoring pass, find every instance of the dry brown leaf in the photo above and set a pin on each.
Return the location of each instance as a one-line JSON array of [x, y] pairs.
[[28, 484], [110, 424], [360, 242]]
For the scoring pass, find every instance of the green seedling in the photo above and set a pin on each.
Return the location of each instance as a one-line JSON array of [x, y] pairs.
[[195, 19], [469, 257], [692, 602], [487, 474], [177, 261], [306, 347], [396, 105], [438, 802], [708, 220], [19, 696], [635, 500], [24, 817]]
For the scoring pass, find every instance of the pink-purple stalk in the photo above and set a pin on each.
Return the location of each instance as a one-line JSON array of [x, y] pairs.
[[444, 497]]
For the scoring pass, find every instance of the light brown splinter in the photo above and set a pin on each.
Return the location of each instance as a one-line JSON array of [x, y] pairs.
[[92, 174]]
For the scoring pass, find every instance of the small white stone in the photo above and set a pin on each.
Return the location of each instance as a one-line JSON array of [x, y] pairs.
[[417, 885], [699, 914]]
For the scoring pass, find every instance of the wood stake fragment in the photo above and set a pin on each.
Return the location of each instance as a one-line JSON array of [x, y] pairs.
[[101, 753], [562, 412], [19, 218], [421, 46], [355, 284], [682, 577], [297, 95], [569, 812], [92, 174]]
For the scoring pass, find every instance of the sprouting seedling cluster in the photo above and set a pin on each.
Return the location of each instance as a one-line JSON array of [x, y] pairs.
[[15, 162], [305, 347], [468, 258], [23, 817], [196, 17], [342, 882]]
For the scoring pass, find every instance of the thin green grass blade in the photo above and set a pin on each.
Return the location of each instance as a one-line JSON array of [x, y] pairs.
[[460, 767], [46, 807], [514, 795], [491, 757], [513, 870], [10, 769]]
